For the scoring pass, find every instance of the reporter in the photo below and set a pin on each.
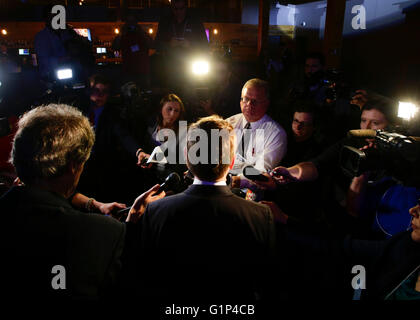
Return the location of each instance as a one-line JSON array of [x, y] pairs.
[[376, 114], [45, 230], [171, 112]]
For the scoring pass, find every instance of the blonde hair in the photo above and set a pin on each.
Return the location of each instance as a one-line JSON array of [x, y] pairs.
[[212, 170]]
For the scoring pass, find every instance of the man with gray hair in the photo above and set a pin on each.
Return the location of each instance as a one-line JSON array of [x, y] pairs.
[[52, 248], [262, 142]]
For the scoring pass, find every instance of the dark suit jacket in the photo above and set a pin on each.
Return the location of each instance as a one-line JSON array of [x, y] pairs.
[[43, 230], [207, 242]]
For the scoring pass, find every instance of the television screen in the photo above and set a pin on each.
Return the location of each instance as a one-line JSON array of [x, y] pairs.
[[24, 52], [100, 50], [84, 33]]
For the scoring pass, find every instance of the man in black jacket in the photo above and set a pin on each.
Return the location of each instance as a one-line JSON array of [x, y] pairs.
[[52, 249], [207, 243]]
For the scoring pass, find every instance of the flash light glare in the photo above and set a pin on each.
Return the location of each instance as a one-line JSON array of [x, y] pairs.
[[4, 32], [117, 31], [200, 67], [215, 31], [407, 110], [64, 74], [150, 30]]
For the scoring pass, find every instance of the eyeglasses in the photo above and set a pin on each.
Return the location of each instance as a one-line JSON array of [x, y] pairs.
[[253, 102], [302, 123]]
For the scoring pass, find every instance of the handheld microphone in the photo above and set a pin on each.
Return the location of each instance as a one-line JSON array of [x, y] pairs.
[[253, 174], [171, 181], [144, 161]]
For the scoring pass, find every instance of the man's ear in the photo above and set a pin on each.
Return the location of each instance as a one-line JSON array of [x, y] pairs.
[[74, 167]]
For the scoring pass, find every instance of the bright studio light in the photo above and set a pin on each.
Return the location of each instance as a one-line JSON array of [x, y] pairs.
[[150, 30], [200, 67], [407, 110], [117, 31], [64, 74], [4, 32], [215, 31]]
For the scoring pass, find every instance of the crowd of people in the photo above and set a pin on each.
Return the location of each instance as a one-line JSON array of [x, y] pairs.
[[295, 223]]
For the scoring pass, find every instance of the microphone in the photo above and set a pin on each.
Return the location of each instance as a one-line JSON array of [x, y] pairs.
[[171, 181], [362, 133], [144, 161], [253, 174]]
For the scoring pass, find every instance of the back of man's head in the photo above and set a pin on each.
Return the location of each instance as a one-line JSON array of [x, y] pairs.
[[50, 139], [210, 148]]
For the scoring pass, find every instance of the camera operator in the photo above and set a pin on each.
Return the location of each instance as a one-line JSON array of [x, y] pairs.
[[338, 105], [55, 48], [311, 87], [178, 37], [376, 114], [134, 44]]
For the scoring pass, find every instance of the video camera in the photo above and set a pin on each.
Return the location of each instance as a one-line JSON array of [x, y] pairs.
[[396, 154], [335, 86]]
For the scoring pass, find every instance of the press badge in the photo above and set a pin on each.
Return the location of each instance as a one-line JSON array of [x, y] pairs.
[[135, 48]]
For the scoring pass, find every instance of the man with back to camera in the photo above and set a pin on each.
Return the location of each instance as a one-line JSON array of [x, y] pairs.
[[206, 242], [45, 229], [262, 142]]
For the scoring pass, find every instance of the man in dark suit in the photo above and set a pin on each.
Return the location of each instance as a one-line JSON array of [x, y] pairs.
[[51, 248], [206, 243]]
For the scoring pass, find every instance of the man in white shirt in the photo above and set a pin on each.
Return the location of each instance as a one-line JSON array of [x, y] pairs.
[[262, 142]]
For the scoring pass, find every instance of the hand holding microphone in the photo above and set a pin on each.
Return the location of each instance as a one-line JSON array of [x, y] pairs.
[[261, 179], [155, 193], [282, 175]]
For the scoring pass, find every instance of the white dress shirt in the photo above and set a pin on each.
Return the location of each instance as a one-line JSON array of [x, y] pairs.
[[208, 183], [265, 150]]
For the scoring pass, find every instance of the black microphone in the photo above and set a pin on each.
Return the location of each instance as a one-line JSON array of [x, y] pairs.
[[253, 174], [172, 180]]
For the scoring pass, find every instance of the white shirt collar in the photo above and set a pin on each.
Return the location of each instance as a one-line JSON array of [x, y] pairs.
[[208, 183], [256, 124]]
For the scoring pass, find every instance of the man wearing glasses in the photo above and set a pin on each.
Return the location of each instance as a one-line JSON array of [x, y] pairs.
[[262, 142]]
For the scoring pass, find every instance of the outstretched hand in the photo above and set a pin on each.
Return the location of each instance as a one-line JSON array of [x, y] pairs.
[[282, 175], [266, 185], [139, 205], [109, 208]]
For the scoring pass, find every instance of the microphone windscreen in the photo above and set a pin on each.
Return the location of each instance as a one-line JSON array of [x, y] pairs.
[[362, 133]]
